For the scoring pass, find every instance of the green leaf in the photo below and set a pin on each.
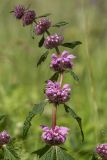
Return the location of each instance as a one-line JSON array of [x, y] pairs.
[[94, 157], [44, 15], [40, 152], [37, 109], [42, 58], [2, 117], [10, 153], [60, 24], [41, 41], [74, 76], [55, 76], [76, 117], [71, 44], [56, 153]]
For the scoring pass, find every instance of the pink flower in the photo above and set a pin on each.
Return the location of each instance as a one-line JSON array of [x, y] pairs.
[[56, 94], [63, 62], [101, 149], [54, 136]]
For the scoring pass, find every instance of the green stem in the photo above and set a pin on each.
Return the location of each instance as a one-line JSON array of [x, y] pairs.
[[54, 113]]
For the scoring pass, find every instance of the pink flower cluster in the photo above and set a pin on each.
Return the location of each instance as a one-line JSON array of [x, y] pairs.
[[101, 150], [4, 138], [53, 41], [62, 62], [54, 136], [42, 26], [27, 16], [56, 94]]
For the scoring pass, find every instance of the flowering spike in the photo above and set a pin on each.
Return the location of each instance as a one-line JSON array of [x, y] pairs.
[[54, 136], [53, 41]]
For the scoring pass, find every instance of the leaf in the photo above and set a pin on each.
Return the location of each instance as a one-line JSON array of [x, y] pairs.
[[76, 117], [42, 58], [74, 76], [62, 155], [94, 157], [37, 109], [55, 76], [41, 41], [71, 44], [40, 152], [60, 24], [49, 155], [10, 153], [2, 117], [44, 15], [56, 153]]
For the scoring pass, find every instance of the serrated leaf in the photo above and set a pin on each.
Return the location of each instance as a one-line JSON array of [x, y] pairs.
[[71, 44], [41, 41], [76, 117], [49, 155], [37, 109], [44, 15], [10, 153], [55, 77], [42, 58], [60, 24], [56, 153], [40, 152], [62, 155], [74, 76]]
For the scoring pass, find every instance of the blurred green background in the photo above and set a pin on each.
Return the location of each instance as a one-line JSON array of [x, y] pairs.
[[22, 83]]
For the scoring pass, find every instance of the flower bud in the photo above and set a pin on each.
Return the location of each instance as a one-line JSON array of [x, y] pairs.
[[53, 41], [28, 17], [19, 11], [101, 150], [42, 26]]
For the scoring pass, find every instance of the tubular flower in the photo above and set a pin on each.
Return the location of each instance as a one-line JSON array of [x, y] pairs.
[[19, 11], [102, 151], [42, 26], [63, 62], [56, 94], [28, 17], [4, 138], [53, 41], [54, 136]]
